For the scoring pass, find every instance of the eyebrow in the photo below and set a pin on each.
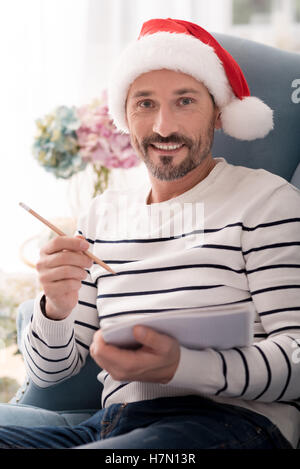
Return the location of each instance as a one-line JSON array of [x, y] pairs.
[[186, 91], [179, 92]]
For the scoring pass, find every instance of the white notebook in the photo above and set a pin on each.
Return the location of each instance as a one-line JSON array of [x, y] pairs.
[[220, 327]]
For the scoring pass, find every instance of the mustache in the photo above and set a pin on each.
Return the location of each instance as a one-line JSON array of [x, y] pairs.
[[172, 138]]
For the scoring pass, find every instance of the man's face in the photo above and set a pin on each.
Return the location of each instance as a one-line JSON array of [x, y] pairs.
[[171, 119]]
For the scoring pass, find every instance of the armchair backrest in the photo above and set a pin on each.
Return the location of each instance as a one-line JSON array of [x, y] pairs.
[[271, 74], [274, 76], [82, 391]]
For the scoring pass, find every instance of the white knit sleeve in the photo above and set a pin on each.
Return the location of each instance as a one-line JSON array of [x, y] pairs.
[[268, 370], [56, 350]]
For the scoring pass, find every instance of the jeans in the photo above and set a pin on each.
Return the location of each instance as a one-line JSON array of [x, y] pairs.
[[31, 416], [189, 422]]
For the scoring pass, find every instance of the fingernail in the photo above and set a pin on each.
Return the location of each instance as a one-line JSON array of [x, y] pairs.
[[84, 244], [140, 332]]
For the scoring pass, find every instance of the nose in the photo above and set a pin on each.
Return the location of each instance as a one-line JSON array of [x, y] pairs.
[[165, 122]]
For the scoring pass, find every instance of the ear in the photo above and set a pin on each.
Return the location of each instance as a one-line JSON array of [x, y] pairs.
[[218, 122]]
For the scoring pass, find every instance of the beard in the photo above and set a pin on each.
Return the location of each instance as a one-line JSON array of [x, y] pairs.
[[198, 150]]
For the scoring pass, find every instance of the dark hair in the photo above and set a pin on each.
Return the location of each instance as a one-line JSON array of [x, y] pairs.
[[213, 99]]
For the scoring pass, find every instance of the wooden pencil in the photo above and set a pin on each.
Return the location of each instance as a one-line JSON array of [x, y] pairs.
[[61, 233]]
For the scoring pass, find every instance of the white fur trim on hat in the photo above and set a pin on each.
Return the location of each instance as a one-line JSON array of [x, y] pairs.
[[247, 119], [166, 50]]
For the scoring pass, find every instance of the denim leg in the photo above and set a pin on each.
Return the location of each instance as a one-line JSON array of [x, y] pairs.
[[50, 437], [29, 416], [188, 423]]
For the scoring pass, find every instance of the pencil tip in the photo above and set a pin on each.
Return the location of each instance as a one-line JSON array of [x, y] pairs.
[[24, 206]]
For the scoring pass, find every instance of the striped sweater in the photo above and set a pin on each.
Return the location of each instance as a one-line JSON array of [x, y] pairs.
[[243, 246]]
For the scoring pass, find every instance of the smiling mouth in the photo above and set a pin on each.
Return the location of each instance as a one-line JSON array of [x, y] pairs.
[[167, 147]]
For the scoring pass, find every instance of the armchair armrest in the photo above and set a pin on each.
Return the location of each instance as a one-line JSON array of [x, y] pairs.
[[82, 391], [296, 177]]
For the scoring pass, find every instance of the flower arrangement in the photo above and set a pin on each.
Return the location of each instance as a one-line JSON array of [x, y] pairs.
[[70, 138], [14, 289]]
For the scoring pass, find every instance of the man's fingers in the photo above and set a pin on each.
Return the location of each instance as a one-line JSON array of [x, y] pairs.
[[62, 273], [58, 288], [98, 345], [152, 339], [155, 361], [65, 242], [80, 236], [61, 269], [109, 353], [71, 258]]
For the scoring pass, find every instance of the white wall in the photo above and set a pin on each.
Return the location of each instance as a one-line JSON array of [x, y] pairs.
[[56, 52]]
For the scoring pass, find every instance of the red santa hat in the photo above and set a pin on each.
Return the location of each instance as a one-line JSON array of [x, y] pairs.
[[186, 47]]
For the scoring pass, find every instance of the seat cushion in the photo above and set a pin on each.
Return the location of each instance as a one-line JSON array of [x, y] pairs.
[[296, 177]]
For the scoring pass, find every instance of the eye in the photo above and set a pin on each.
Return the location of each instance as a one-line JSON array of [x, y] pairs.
[[146, 104], [185, 101]]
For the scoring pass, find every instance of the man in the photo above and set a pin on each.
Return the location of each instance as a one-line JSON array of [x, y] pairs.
[[171, 90]]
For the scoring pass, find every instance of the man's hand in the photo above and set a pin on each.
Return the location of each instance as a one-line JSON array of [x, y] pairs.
[[155, 361], [61, 270]]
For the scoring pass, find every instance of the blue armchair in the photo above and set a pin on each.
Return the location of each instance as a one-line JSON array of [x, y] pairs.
[[270, 73]]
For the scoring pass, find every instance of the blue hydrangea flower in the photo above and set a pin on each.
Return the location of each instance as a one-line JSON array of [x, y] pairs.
[[56, 145]]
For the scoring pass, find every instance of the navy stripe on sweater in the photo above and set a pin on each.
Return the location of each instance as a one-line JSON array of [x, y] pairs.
[[269, 379], [53, 346], [157, 292]]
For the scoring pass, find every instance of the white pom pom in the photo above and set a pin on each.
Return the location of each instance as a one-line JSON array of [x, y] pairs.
[[247, 119]]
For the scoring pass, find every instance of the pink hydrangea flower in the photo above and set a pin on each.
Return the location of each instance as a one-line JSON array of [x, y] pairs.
[[100, 142]]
